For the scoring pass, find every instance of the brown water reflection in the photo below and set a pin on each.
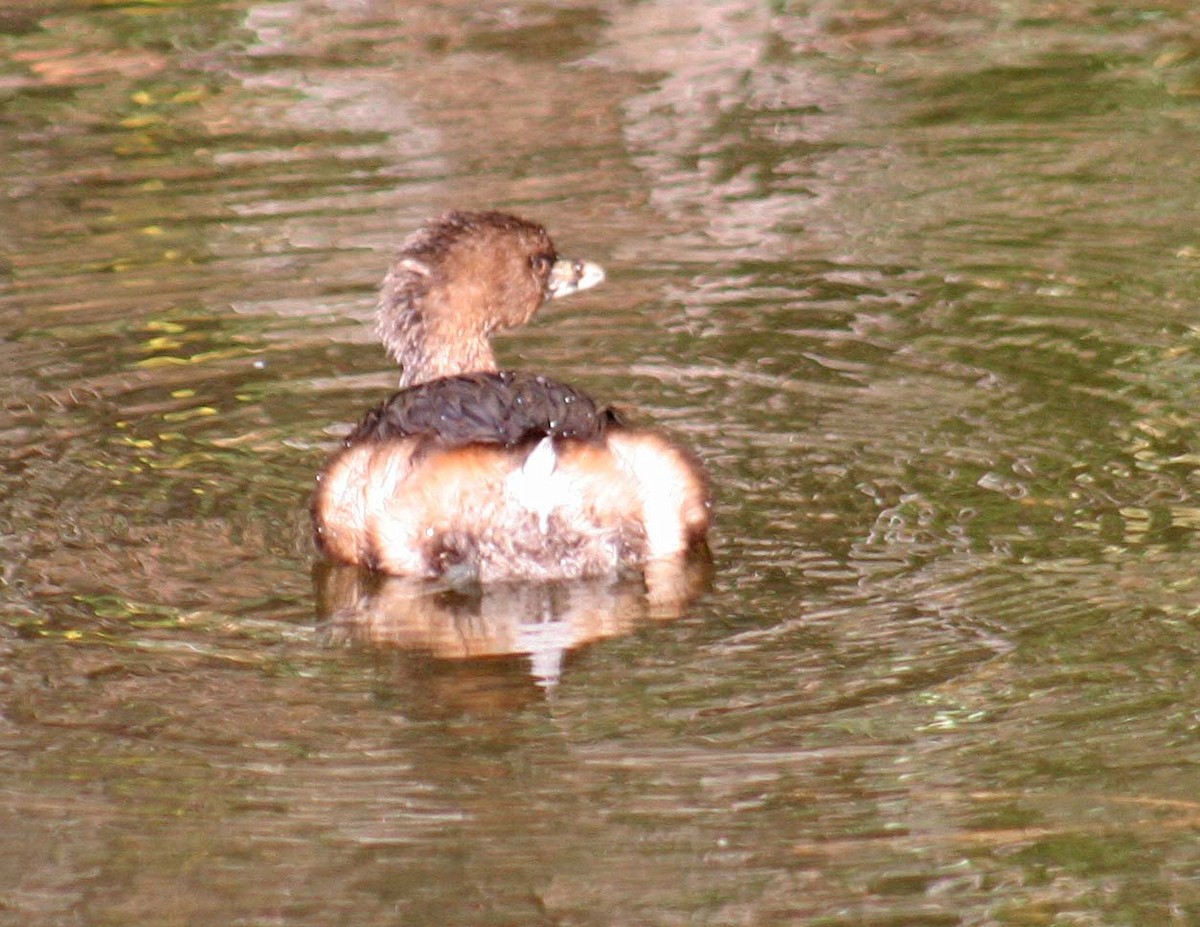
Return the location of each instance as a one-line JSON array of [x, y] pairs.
[[543, 622], [917, 280]]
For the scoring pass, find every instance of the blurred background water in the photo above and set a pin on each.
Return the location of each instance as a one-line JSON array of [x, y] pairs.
[[917, 280]]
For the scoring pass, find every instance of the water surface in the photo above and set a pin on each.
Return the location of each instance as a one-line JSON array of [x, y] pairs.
[[917, 281]]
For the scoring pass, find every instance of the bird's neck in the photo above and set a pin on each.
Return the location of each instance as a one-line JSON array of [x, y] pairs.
[[429, 358]]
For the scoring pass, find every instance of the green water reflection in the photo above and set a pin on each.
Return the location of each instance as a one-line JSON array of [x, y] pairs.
[[918, 281]]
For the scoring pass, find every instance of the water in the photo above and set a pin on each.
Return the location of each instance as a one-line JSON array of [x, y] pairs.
[[919, 283]]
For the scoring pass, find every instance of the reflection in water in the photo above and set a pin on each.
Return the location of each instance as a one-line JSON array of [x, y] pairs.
[[542, 621]]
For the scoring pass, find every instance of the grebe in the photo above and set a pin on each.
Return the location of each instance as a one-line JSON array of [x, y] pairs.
[[476, 474]]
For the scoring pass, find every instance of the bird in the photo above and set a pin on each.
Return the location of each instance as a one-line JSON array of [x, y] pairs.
[[473, 474]]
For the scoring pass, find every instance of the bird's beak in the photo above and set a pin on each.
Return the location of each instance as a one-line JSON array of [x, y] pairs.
[[567, 277]]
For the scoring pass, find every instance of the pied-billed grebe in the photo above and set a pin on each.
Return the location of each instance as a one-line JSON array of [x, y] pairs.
[[477, 474]]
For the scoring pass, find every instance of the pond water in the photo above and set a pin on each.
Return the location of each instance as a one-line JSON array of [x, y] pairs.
[[918, 281]]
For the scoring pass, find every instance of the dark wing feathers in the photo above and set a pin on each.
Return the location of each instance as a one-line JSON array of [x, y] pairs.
[[508, 408]]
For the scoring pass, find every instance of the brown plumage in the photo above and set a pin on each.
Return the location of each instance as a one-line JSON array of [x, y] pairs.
[[477, 474], [505, 407]]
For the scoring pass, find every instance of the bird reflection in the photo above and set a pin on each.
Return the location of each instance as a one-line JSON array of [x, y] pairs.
[[541, 622]]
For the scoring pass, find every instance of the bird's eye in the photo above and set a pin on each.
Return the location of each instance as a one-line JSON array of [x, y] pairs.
[[541, 264]]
